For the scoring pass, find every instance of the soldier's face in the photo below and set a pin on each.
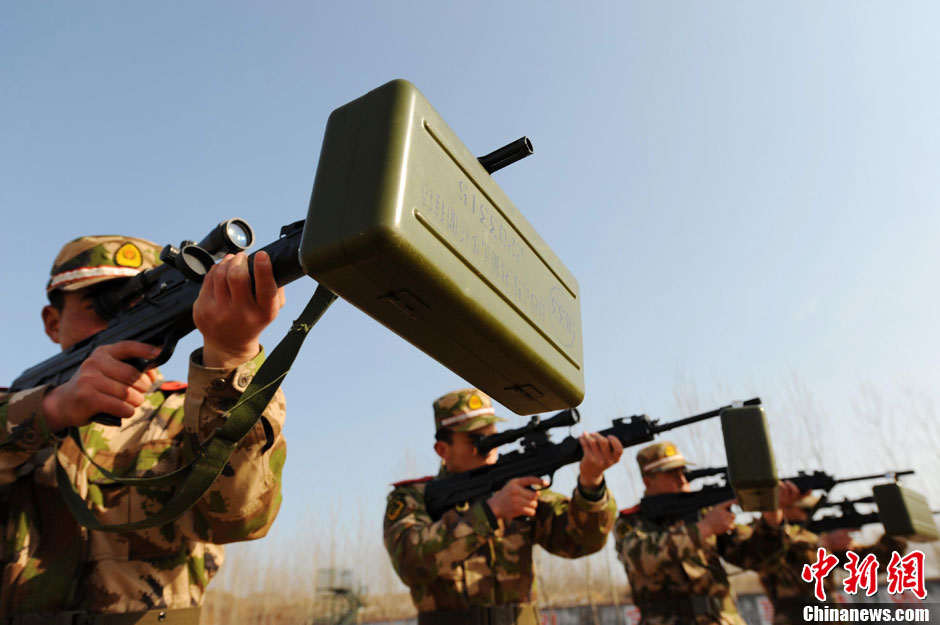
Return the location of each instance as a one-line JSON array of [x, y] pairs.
[[461, 454], [666, 482], [76, 321]]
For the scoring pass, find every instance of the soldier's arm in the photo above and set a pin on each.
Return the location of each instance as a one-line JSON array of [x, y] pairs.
[[644, 547], [231, 314], [749, 546], [243, 502], [419, 547], [23, 430], [574, 527]]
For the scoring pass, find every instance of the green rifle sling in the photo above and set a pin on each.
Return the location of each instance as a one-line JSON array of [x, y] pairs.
[[194, 479]]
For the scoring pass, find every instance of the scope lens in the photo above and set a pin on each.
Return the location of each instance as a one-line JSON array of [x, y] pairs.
[[238, 235]]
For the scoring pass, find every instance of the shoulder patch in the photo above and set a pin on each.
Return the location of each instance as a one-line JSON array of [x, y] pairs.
[[420, 480], [630, 511], [395, 508], [173, 386]]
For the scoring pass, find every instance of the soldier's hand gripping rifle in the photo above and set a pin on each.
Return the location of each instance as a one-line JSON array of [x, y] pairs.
[[686, 506], [156, 306], [539, 456]]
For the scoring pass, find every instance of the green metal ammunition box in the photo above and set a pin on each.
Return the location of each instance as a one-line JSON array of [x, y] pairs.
[[751, 466], [405, 224], [905, 513]]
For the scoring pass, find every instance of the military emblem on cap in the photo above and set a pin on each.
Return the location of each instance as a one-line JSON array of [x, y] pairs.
[[129, 255], [464, 410], [660, 457], [89, 260]]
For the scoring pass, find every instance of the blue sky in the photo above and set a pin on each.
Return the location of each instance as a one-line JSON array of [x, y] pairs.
[[746, 192]]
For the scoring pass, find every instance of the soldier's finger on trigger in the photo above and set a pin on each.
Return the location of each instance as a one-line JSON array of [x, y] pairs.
[[117, 390], [119, 371]]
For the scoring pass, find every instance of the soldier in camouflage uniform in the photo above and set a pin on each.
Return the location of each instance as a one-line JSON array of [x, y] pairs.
[[675, 573], [780, 574], [49, 564], [474, 565]]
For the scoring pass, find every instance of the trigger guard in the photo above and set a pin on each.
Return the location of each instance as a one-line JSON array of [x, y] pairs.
[[166, 352]]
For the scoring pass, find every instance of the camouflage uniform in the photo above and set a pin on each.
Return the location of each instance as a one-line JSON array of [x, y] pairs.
[[469, 558], [49, 563], [780, 574], [675, 575]]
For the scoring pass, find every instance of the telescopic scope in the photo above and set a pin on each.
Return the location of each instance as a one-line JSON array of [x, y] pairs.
[[565, 418], [192, 260], [229, 237]]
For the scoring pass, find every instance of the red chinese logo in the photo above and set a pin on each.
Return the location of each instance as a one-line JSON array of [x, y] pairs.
[[904, 573], [819, 570], [862, 574], [907, 573]]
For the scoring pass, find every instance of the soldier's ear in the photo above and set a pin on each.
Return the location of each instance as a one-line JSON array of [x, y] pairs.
[[442, 449], [51, 316]]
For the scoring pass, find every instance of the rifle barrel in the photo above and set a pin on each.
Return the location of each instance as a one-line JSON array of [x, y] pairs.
[[889, 474], [506, 155], [695, 474], [700, 417]]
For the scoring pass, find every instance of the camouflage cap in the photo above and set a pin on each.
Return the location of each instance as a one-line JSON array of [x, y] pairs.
[[89, 260], [659, 457], [464, 410]]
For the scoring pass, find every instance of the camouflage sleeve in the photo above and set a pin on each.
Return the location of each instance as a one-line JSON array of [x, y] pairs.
[[574, 527], [243, 501], [799, 539], [797, 543], [419, 547], [644, 547], [748, 546], [23, 429]]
